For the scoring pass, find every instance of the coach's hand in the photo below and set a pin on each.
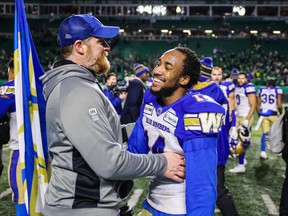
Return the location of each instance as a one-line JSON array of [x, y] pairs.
[[175, 166]]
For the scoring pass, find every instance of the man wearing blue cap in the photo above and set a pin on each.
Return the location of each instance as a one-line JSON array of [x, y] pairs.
[[90, 169], [136, 88]]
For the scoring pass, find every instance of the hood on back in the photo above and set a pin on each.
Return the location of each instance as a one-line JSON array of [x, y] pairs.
[[52, 77]]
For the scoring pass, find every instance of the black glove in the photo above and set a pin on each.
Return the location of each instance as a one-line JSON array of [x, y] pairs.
[[126, 211]]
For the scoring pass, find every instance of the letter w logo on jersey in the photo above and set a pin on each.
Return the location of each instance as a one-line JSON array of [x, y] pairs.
[[205, 122], [210, 122]]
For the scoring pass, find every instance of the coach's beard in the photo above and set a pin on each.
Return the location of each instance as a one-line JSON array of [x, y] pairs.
[[103, 65]]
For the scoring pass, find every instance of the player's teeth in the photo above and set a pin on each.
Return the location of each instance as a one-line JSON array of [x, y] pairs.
[[156, 80]]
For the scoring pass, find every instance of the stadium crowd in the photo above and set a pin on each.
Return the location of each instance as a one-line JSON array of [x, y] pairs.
[[177, 111], [257, 62]]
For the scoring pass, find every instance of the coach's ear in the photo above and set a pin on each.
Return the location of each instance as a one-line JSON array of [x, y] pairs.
[[184, 80]]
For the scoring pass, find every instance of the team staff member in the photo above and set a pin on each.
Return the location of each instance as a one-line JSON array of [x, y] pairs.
[[174, 121], [90, 169]]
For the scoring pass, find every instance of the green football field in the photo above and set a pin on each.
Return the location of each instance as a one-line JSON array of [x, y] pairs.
[[256, 192]]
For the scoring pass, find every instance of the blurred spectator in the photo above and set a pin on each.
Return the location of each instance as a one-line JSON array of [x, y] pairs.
[[134, 99], [114, 93]]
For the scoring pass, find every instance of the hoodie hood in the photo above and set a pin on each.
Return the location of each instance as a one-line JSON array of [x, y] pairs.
[[52, 77]]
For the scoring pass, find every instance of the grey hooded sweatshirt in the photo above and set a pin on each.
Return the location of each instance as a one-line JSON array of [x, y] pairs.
[[90, 168]]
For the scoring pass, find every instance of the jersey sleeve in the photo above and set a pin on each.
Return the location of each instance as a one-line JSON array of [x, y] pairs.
[[230, 87], [202, 120], [250, 89], [202, 117], [259, 91], [6, 105], [201, 179]]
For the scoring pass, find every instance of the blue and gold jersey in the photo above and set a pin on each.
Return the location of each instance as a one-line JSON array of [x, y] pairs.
[[189, 126], [215, 91], [7, 88], [7, 98], [192, 116], [8, 106]]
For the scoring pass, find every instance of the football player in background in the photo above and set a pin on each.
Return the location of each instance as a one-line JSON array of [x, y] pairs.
[[208, 87], [233, 76], [269, 103], [188, 124], [245, 106], [228, 89], [8, 106]]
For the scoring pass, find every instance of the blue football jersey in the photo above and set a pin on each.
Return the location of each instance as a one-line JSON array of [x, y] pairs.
[[7, 97], [214, 90], [8, 105], [189, 126]]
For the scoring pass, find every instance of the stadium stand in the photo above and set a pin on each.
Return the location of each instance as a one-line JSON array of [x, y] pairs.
[[229, 39]]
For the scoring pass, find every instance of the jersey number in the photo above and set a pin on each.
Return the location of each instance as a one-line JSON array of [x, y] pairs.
[[237, 99], [268, 98]]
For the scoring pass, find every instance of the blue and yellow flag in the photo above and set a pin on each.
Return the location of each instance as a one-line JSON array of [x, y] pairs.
[[30, 110]]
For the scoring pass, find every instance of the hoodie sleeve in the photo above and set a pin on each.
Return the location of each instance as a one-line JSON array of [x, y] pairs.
[[91, 125]]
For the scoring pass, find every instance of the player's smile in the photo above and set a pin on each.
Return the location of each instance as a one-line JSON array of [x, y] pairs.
[[157, 81]]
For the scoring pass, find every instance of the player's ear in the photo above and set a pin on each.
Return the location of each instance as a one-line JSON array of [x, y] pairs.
[[78, 46], [184, 80]]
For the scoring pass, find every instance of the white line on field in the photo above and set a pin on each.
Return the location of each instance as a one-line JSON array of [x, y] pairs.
[[272, 209], [5, 193], [134, 197]]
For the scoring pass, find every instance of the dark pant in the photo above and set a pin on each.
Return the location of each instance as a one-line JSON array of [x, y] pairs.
[[224, 198], [1, 160], [284, 195]]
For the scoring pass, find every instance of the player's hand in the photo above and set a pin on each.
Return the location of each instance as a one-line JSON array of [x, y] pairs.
[[234, 134], [245, 123], [175, 166]]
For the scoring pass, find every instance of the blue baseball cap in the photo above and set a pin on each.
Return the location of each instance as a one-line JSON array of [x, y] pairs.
[[83, 26]]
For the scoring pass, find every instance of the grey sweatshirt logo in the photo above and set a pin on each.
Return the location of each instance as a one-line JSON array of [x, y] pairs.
[[94, 114]]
